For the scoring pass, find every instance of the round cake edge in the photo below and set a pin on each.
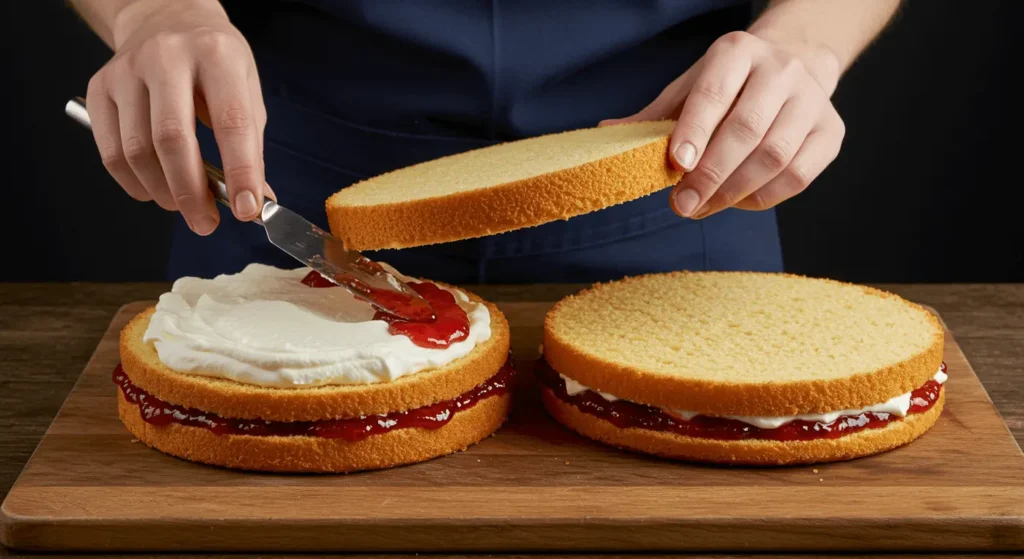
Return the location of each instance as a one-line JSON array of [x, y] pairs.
[[305, 454], [744, 452], [524, 203], [229, 398], [742, 399]]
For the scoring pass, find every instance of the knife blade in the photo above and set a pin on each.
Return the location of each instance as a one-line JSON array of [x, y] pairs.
[[315, 248]]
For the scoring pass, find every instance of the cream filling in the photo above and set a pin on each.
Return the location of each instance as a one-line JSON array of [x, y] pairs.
[[897, 406], [263, 326]]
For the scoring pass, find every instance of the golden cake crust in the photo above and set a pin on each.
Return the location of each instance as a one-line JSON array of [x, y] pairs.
[[316, 454], [712, 397], [751, 452], [228, 398], [518, 204]]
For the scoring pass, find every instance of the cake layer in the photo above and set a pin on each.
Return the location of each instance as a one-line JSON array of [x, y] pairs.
[[744, 452], [743, 344], [504, 187], [433, 416], [625, 414], [229, 398], [319, 454]]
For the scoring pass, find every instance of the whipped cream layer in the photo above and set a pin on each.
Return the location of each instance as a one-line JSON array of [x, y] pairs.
[[263, 326], [897, 406]]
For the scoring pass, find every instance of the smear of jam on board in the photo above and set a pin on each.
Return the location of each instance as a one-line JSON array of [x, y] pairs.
[[625, 415], [434, 416], [450, 323]]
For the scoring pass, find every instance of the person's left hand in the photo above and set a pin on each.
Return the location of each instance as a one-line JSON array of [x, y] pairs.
[[755, 125]]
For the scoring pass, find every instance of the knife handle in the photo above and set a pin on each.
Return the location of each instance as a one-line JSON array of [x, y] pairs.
[[75, 109]]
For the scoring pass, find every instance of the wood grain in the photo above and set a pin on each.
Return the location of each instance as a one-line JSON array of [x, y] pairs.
[[533, 487]]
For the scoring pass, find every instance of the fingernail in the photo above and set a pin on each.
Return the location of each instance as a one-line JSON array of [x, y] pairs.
[[204, 225], [245, 204], [685, 201], [686, 155]]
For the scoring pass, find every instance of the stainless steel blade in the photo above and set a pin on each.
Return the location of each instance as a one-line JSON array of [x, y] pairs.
[[327, 255], [315, 248]]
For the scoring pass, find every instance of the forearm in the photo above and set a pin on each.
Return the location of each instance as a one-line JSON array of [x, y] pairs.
[[111, 19], [101, 15], [827, 34]]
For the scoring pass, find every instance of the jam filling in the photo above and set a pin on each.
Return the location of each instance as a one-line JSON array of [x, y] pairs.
[[626, 415], [449, 325], [434, 416]]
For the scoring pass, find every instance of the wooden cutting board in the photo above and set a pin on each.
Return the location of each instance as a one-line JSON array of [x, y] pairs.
[[533, 486]]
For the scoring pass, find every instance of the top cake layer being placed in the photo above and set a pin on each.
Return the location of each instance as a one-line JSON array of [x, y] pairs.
[[504, 187], [728, 343]]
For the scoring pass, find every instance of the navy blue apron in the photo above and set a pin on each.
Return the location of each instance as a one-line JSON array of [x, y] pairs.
[[358, 88]]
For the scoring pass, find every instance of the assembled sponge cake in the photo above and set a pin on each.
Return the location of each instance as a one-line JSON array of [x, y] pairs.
[[706, 340], [743, 367], [508, 186], [271, 370], [249, 401]]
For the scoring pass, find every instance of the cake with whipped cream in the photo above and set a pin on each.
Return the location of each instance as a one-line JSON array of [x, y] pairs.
[[743, 368], [281, 370]]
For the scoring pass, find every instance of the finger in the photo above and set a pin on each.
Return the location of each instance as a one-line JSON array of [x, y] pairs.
[[132, 100], [775, 152], [107, 133], [225, 89], [261, 120], [666, 105], [740, 132], [256, 95], [174, 137], [819, 149], [707, 102]]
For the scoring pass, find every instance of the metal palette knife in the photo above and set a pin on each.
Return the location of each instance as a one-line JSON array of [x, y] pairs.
[[315, 248]]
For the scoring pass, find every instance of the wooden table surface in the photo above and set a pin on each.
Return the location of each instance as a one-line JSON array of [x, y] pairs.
[[49, 331]]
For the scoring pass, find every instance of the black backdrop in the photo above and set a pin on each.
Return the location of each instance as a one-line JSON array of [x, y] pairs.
[[927, 188]]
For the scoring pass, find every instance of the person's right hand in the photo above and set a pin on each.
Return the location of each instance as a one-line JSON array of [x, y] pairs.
[[176, 60]]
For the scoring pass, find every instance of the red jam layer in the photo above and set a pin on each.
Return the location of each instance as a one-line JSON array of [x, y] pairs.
[[434, 416], [626, 415], [449, 325]]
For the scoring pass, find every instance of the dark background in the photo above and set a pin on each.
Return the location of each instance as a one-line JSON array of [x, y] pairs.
[[927, 188]]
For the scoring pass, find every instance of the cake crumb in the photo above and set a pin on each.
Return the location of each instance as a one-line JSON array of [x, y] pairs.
[[815, 470], [566, 462], [821, 479]]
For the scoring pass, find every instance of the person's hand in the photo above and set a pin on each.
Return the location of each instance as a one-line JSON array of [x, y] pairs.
[[176, 60], [755, 124]]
